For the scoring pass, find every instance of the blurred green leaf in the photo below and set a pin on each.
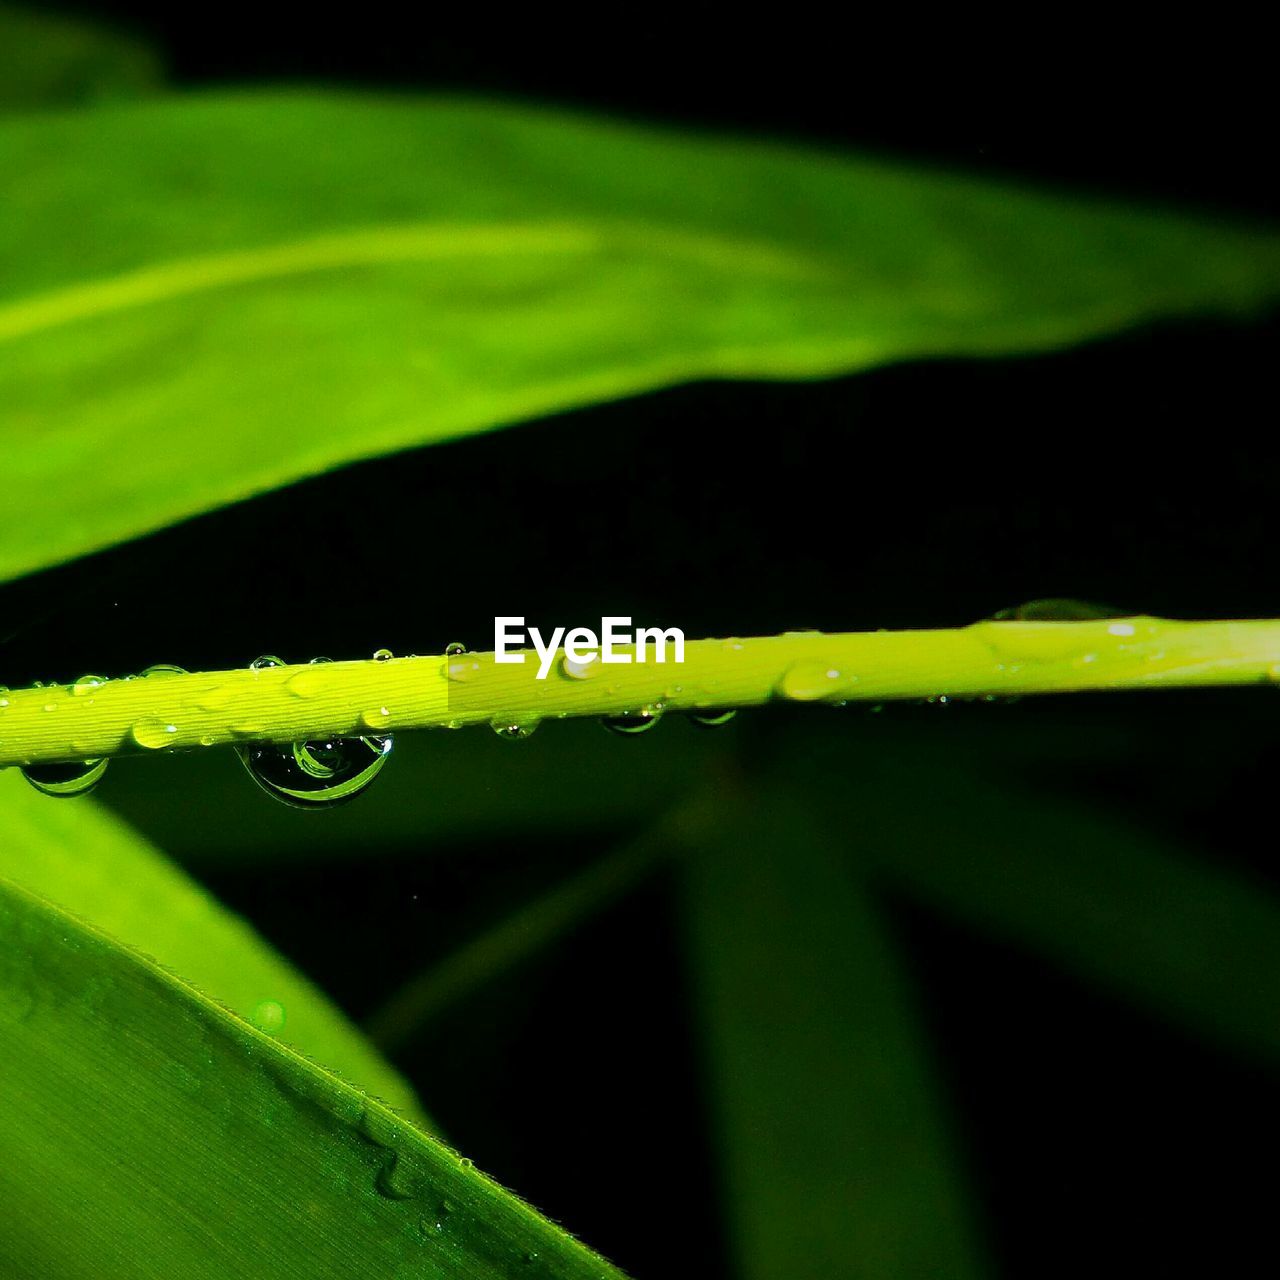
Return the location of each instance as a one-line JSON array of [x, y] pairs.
[[52, 61], [832, 1133], [87, 861], [150, 1134], [204, 298], [1176, 933]]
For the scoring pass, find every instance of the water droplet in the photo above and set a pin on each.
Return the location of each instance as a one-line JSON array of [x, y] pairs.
[[460, 668], [72, 778], [308, 682], [163, 669], [267, 660], [1057, 610], [207, 740], [580, 670], [711, 719], [810, 680], [87, 684], [268, 1016], [214, 699], [4, 688], [317, 774], [513, 729], [375, 718], [153, 734], [455, 650], [383, 655], [50, 706], [633, 722]]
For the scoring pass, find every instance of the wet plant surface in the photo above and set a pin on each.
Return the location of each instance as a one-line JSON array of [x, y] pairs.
[[955, 988]]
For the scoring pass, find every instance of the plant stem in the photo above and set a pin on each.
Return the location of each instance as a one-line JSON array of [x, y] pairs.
[[292, 703]]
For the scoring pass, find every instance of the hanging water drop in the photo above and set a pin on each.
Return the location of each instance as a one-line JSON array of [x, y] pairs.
[[633, 722], [711, 719], [71, 778], [513, 729], [317, 774]]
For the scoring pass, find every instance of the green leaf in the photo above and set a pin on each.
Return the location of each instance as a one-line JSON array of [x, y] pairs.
[[48, 61], [833, 1143], [1172, 931], [149, 1134], [81, 857], [205, 298]]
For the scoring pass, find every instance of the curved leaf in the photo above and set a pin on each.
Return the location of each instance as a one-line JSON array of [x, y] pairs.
[[89, 862], [209, 297], [148, 1134]]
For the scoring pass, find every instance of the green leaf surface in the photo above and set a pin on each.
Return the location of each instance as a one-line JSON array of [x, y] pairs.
[[147, 1134], [833, 1136], [47, 60], [207, 297], [89, 862], [1176, 933]]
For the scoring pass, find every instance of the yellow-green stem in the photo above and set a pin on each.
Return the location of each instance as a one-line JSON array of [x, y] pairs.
[[291, 703]]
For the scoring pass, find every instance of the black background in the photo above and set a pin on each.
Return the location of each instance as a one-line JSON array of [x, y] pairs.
[[1138, 471]]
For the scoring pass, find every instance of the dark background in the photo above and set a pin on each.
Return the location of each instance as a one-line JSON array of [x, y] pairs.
[[1138, 471]]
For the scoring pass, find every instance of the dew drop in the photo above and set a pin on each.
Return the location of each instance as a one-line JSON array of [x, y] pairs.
[[460, 668], [267, 660], [633, 722], [4, 702], [580, 670], [375, 718], [711, 719], [153, 734], [86, 685], [268, 1016], [317, 774], [455, 650], [1057, 610], [215, 698], [383, 655], [163, 669], [307, 682], [512, 728], [808, 681], [72, 778]]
